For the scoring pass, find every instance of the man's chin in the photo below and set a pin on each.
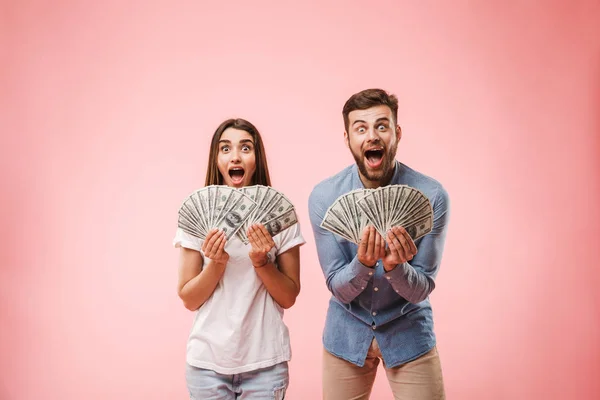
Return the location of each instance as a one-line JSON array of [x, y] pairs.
[[371, 174], [374, 176]]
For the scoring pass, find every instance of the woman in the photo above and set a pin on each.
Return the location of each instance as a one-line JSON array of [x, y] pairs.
[[238, 346]]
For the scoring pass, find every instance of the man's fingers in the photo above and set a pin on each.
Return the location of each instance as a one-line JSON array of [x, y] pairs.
[[377, 246], [382, 249], [406, 241], [396, 247], [364, 242], [371, 243]]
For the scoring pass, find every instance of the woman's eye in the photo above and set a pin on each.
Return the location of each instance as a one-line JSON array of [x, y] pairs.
[[225, 149]]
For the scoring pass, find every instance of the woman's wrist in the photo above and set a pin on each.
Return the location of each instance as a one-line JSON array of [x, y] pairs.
[[216, 264], [266, 262]]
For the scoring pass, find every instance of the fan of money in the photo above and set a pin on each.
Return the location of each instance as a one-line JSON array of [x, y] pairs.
[[234, 210], [384, 208]]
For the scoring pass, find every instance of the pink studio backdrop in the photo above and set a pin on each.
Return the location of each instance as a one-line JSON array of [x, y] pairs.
[[106, 114]]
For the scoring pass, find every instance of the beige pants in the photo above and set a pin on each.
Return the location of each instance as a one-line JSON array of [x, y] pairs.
[[420, 379]]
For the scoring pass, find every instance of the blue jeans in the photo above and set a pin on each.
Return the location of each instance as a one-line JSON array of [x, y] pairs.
[[266, 383]]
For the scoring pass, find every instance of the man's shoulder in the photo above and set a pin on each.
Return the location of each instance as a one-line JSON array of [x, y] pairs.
[[329, 189], [431, 187]]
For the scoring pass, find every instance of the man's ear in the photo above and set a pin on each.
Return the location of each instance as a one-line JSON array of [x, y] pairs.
[[398, 133], [346, 139]]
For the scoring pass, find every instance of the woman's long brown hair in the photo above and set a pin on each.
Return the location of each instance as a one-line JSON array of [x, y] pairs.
[[261, 174]]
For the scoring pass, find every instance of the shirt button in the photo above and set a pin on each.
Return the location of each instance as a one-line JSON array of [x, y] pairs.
[[374, 327], [388, 278], [376, 289], [397, 291], [374, 313], [370, 273], [363, 288]]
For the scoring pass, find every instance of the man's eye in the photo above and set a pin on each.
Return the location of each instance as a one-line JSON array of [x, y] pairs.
[[361, 130], [382, 127]]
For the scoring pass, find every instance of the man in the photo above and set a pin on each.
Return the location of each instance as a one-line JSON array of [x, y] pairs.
[[380, 307]]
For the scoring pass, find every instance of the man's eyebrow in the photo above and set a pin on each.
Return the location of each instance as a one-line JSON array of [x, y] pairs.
[[377, 120]]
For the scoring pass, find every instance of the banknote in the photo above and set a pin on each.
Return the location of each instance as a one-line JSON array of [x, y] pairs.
[[235, 210], [382, 208]]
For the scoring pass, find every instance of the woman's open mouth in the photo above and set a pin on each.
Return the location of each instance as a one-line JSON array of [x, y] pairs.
[[237, 175]]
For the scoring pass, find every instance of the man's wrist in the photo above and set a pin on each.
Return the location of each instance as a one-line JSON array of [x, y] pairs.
[[389, 267], [366, 265]]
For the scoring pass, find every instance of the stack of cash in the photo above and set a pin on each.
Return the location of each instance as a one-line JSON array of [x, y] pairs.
[[273, 210], [383, 208], [234, 210]]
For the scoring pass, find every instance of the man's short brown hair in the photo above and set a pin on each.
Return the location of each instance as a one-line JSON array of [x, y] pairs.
[[370, 98]]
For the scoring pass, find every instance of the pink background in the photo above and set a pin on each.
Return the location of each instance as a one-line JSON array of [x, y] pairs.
[[106, 113]]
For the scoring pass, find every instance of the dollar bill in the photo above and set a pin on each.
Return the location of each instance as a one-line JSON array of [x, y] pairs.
[[234, 210], [195, 203], [420, 228], [368, 204], [277, 208], [234, 217], [189, 217], [384, 208], [282, 222]]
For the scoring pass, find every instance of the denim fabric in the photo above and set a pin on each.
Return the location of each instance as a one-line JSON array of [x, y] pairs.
[[262, 384], [369, 303]]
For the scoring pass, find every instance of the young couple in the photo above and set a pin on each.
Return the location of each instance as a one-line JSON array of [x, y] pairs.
[[239, 346]]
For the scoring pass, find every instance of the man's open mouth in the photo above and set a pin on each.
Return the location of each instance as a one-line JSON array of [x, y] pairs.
[[374, 157]]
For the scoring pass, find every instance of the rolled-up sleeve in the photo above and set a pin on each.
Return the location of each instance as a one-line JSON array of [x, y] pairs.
[[345, 278], [414, 281]]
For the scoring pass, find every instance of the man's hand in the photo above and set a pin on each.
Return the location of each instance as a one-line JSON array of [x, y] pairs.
[[371, 247], [401, 248]]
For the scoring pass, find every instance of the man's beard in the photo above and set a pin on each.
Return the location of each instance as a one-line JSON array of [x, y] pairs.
[[382, 175]]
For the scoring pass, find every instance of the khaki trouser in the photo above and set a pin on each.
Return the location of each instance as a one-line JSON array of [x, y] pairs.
[[420, 379]]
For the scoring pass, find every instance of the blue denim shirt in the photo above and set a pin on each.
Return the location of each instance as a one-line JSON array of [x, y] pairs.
[[369, 303]]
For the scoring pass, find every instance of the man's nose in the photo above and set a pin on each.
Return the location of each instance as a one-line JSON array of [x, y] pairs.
[[372, 135]]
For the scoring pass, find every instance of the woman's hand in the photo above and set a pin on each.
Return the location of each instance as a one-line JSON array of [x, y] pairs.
[[214, 245], [262, 243]]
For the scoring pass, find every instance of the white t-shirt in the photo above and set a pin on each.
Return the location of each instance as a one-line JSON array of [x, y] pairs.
[[240, 327]]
